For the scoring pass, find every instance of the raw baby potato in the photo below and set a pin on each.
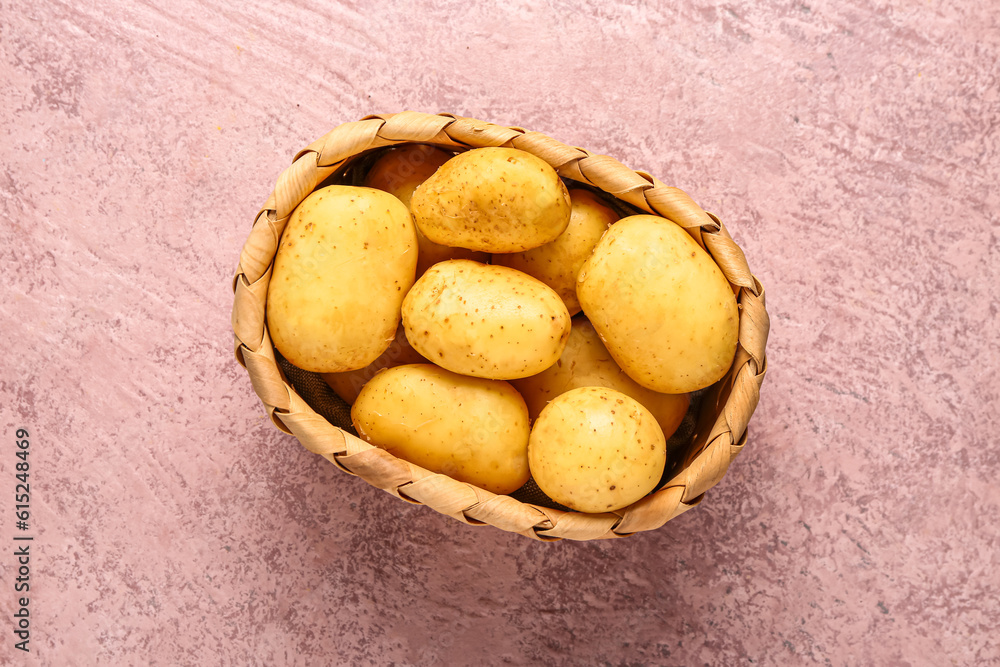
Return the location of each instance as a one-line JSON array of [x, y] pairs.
[[348, 384], [346, 259], [399, 172], [558, 263], [485, 321], [585, 362], [663, 308], [471, 429], [594, 449], [492, 200]]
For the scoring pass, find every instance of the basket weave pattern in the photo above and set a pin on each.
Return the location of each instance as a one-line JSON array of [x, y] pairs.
[[722, 424]]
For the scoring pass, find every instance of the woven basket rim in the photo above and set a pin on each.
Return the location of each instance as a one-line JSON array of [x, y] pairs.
[[725, 411]]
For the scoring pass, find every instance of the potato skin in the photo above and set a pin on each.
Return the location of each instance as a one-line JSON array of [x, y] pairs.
[[594, 449], [492, 200], [585, 362], [485, 321], [471, 429], [346, 259], [663, 308], [401, 169], [348, 384], [399, 172], [558, 263]]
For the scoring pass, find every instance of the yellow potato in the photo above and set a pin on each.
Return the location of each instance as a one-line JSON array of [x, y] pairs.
[[471, 429], [586, 363], [399, 172], [485, 321], [493, 200], [594, 449], [663, 308], [345, 261], [348, 384], [558, 263]]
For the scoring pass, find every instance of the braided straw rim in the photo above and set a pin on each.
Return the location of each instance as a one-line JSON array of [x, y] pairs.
[[726, 409]]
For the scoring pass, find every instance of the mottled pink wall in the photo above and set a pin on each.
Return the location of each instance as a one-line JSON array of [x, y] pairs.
[[853, 149]]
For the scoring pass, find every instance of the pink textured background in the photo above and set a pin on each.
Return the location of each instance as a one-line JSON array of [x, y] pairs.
[[852, 148]]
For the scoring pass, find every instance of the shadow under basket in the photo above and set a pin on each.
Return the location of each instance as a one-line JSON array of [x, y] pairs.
[[300, 403]]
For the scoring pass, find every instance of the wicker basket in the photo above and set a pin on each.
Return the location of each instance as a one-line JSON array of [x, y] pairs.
[[721, 424]]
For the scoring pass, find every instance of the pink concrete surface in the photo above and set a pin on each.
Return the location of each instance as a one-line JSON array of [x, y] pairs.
[[853, 149]]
